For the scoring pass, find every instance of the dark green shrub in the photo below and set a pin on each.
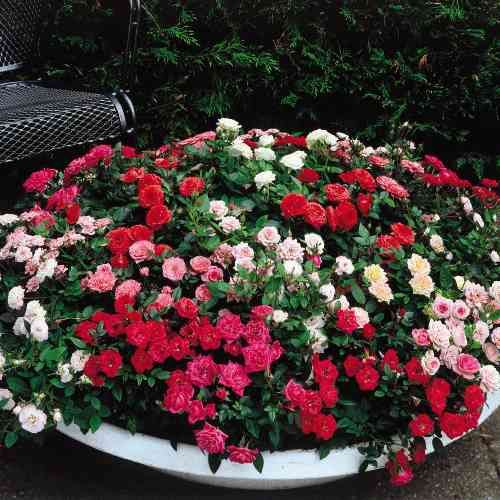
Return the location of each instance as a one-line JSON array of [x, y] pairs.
[[353, 65]]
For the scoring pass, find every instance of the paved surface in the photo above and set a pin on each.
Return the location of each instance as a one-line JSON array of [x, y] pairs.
[[65, 470]]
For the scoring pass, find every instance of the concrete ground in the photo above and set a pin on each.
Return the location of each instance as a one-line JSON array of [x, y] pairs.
[[65, 470]]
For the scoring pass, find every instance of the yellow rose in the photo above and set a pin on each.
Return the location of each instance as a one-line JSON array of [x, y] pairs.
[[374, 274]]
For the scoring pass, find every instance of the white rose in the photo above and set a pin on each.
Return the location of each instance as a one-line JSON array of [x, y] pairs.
[[64, 372], [19, 327], [239, 148], [314, 243], [460, 282], [314, 277], [15, 299], [319, 138], [328, 292], [5, 394], [294, 161], [264, 178], [490, 378], [437, 243], [7, 219], [268, 236], [32, 419], [229, 224], [39, 330], [265, 154], [266, 140], [495, 258], [318, 340], [478, 220], [227, 127], [78, 360], [23, 254], [279, 316], [343, 266], [46, 270], [293, 268], [34, 311], [218, 209]]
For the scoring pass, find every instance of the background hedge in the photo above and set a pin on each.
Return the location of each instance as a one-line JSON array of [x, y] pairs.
[[357, 66]]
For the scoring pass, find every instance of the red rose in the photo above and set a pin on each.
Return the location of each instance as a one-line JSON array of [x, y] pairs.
[[179, 348], [176, 399], [403, 233], [325, 372], [364, 203], [421, 425], [369, 332], [159, 351], [132, 175], [415, 372], [437, 393], [294, 392], [256, 331], [186, 308], [157, 216], [330, 218], [259, 357], [119, 240], [346, 320], [208, 336], [365, 180], [39, 180], [73, 213], [141, 361], [352, 365], [453, 424], [162, 248], [140, 232], [92, 369], [202, 371], [261, 312], [308, 176], [336, 193], [329, 395], [119, 261], [113, 323], [151, 195], [474, 398], [387, 241], [367, 378], [110, 362], [234, 376], [315, 215], [211, 439], [221, 394], [85, 331], [391, 359], [293, 205], [62, 198], [312, 403], [149, 180], [241, 455], [324, 426], [306, 423], [346, 216], [399, 469], [191, 186], [137, 334]]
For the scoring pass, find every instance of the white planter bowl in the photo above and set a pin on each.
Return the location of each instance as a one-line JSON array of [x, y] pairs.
[[282, 470]]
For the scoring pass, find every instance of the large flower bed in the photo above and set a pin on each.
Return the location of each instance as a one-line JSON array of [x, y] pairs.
[[253, 291]]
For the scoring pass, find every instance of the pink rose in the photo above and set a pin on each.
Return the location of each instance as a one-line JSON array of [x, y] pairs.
[[102, 280], [202, 293], [174, 268], [430, 364], [457, 330], [495, 337], [202, 371], [491, 352], [233, 375], [129, 288], [242, 251], [294, 392], [268, 236], [141, 250], [481, 332], [199, 264], [241, 455], [211, 439], [467, 366], [177, 399], [460, 310], [421, 336], [213, 273], [449, 356], [259, 357], [442, 307]]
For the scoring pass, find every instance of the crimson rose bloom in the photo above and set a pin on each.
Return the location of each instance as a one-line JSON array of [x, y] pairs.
[[329, 395], [119, 261], [474, 398], [242, 455], [151, 195], [211, 439], [191, 186], [387, 241], [312, 403], [294, 392], [139, 232], [186, 308], [367, 378], [141, 361], [346, 216], [85, 331], [336, 193], [293, 205], [422, 425], [352, 365], [403, 233], [38, 181], [119, 240], [325, 372], [132, 175], [92, 369], [437, 393], [157, 216], [346, 320], [369, 331], [324, 426], [453, 424], [110, 362], [364, 203], [149, 180], [72, 213], [308, 176], [391, 359], [415, 372], [315, 215]]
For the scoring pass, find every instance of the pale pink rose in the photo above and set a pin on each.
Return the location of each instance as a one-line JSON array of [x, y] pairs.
[[245, 263], [229, 224], [242, 251], [475, 295], [412, 166], [144, 271], [163, 301], [430, 364], [467, 366], [141, 251], [33, 284], [449, 356], [202, 293], [491, 352], [457, 330], [223, 255], [213, 273], [174, 268], [290, 249], [361, 315], [60, 272], [129, 288], [218, 209], [421, 336], [460, 310], [268, 236], [439, 334], [442, 307], [23, 254], [198, 140], [481, 332], [490, 378], [495, 337], [87, 225], [104, 222], [199, 264], [102, 280]]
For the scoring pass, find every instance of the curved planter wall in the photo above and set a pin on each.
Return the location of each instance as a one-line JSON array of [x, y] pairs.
[[287, 469]]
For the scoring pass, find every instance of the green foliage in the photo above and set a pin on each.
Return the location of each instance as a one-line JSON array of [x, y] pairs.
[[351, 65]]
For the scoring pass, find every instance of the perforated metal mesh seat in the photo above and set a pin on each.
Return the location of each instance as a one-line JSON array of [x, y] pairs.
[[36, 119]]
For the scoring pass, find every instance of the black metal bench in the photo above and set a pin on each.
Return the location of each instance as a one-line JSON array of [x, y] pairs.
[[38, 117]]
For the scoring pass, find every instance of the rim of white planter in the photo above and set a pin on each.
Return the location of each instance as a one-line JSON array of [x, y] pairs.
[[282, 469]]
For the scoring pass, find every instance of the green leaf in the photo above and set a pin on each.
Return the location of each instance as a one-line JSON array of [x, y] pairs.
[[10, 439], [324, 451], [17, 385], [258, 463], [96, 404], [214, 462], [357, 293], [95, 422]]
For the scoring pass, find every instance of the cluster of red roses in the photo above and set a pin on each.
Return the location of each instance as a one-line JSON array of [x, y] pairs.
[[400, 235], [310, 403]]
